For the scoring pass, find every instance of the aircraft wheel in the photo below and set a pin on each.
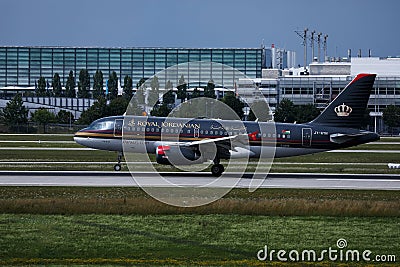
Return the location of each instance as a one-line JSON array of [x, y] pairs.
[[217, 170], [117, 167]]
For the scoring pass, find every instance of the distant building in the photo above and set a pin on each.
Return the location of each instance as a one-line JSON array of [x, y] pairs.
[[327, 80], [277, 58], [22, 66], [383, 67]]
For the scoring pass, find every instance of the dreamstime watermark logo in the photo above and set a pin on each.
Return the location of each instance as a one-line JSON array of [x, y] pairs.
[[339, 253], [183, 138], [341, 243]]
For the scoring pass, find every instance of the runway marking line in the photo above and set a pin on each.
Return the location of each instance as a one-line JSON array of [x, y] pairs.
[[353, 180]]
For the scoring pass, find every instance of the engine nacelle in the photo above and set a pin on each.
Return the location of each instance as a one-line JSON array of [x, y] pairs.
[[177, 155], [241, 153]]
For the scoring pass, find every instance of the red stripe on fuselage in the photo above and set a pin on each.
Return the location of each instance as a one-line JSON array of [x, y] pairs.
[[189, 137]]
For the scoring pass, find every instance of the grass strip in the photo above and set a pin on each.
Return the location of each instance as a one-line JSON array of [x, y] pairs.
[[127, 201], [327, 157], [185, 239], [39, 144], [37, 137], [171, 262]]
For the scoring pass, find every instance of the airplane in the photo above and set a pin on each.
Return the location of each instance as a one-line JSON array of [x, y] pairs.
[[188, 141]]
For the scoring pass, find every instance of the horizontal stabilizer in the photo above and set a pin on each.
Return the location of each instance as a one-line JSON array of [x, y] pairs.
[[340, 138]]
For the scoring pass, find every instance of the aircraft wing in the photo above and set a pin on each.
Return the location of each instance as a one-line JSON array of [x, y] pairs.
[[340, 138], [234, 138], [226, 146]]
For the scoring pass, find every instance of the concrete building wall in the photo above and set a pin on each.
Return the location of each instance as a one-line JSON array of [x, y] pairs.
[[330, 68], [382, 67]]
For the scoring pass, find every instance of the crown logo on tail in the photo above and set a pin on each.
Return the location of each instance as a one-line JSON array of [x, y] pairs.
[[343, 110]]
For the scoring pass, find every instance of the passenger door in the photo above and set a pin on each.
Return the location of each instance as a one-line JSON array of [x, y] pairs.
[[119, 123], [306, 137]]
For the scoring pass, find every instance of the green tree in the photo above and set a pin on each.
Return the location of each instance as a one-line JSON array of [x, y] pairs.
[[196, 93], [117, 106], [306, 113], [169, 85], [113, 85], [133, 108], [140, 82], [14, 113], [169, 98], [234, 103], [41, 87], [98, 110], [391, 117], [98, 84], [84, 84], [140, 95], [165, 108], [154, 93], [168, 102], [285, 111], [64, 117], [209, 89], [261, 109], [182, 88], [43, 117], [162, 110], [70, 85], [128, 87], [57, 89]]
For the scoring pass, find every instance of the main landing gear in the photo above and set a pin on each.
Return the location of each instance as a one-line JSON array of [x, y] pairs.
[[117, 167], [217, 169]]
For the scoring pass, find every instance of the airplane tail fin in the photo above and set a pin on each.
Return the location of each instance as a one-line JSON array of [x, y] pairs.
[[348, 108]]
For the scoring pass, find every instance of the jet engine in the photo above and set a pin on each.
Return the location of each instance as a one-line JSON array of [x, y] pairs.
[[177, 155]]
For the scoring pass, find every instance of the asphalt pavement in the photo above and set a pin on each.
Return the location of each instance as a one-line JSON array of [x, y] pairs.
[[182, 179]]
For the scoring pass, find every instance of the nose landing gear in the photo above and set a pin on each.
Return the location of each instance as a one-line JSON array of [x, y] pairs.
[[117, 167]]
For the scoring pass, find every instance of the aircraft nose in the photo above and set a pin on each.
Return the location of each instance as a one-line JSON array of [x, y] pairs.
[[80, 132], [81, 136]]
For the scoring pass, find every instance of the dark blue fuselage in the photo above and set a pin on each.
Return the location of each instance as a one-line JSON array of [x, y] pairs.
[[289, 139]]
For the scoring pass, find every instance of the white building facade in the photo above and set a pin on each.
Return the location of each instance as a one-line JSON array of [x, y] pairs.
[[327, 80]]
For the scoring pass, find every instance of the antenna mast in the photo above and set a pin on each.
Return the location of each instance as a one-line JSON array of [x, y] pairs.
[[319, 45], [312, 46], [325, 46], [303, 35]]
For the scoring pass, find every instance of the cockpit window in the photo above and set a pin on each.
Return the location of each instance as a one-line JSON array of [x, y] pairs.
[[101, 125]]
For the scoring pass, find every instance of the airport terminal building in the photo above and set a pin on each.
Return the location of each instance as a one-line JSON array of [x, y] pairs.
[[22, 66]]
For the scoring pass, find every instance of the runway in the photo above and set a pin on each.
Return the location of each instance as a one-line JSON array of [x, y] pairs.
[[124, 179]]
